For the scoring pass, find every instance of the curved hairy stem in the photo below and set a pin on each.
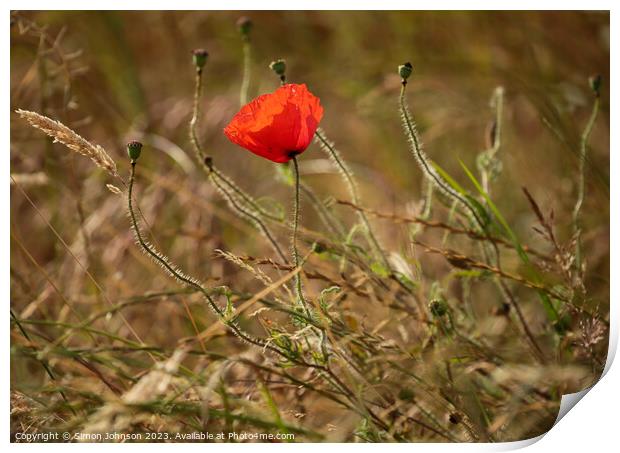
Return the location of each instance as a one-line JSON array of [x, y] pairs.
[[179, 275], [328, 219], [351, 185], [429, 171], [295, 226], [242, 195], [206, 161], [491, 253], [238, 200], [192, 283], [246, 212]]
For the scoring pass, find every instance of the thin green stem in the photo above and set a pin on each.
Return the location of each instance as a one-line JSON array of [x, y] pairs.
[[43, 362], [241, 195], [328, 219], [351, 185], [332, 224], [433, 175], [498, 103], [163, 261], [206, 161], [436, 178], [295, 226], [176, 273], [247, 61], [193, 124], [249, 214], [224, 184], [488, 163], [158, 257], [581, 188], [425, 165]]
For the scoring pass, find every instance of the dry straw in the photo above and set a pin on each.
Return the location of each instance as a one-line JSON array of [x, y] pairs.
[[62, 134]]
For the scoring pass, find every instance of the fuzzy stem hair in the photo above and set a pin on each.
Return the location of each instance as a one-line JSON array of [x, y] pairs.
[[295, 227], [206, 161], [237, 199], [159, 258], [347, 175], [426, 166], [246, 212], [433, 175]]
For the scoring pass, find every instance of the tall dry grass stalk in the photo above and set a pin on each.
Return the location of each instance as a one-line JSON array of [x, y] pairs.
[[72, 140]]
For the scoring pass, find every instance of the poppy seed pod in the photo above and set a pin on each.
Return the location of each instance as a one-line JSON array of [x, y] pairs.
[[438, 307], [405, 70], [200, 58], [244, 24], [134, 148], [278, 66]]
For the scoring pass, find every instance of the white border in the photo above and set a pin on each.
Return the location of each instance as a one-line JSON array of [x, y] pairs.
[[231, 5]]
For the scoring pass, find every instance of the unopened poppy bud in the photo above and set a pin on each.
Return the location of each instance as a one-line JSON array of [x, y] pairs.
[[200, 58], [278, 66], [134, 148], [405, 70], [244, 24], [438, 307], [595, 83]]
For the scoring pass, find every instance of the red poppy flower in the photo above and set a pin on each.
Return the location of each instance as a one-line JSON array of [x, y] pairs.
[[277, 126]]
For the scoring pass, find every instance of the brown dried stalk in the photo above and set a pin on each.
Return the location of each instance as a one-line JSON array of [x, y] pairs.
[[437, 224], [62, 134], [461, 261]]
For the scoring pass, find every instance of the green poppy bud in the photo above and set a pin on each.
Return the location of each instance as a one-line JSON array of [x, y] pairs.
[[200, 58], [278, 66], [595, 83], [405, 70], [244, 24], [438, 307], [134, 148]]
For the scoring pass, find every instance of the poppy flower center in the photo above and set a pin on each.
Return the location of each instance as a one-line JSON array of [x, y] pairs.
[[291, 154]]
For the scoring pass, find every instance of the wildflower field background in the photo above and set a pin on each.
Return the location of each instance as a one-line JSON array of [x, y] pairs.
[[449, 331]]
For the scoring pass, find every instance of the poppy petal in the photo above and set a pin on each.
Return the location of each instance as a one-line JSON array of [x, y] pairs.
[[277, 125]]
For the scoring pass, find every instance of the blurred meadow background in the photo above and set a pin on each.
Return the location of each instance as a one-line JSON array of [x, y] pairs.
[[91, 314]]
